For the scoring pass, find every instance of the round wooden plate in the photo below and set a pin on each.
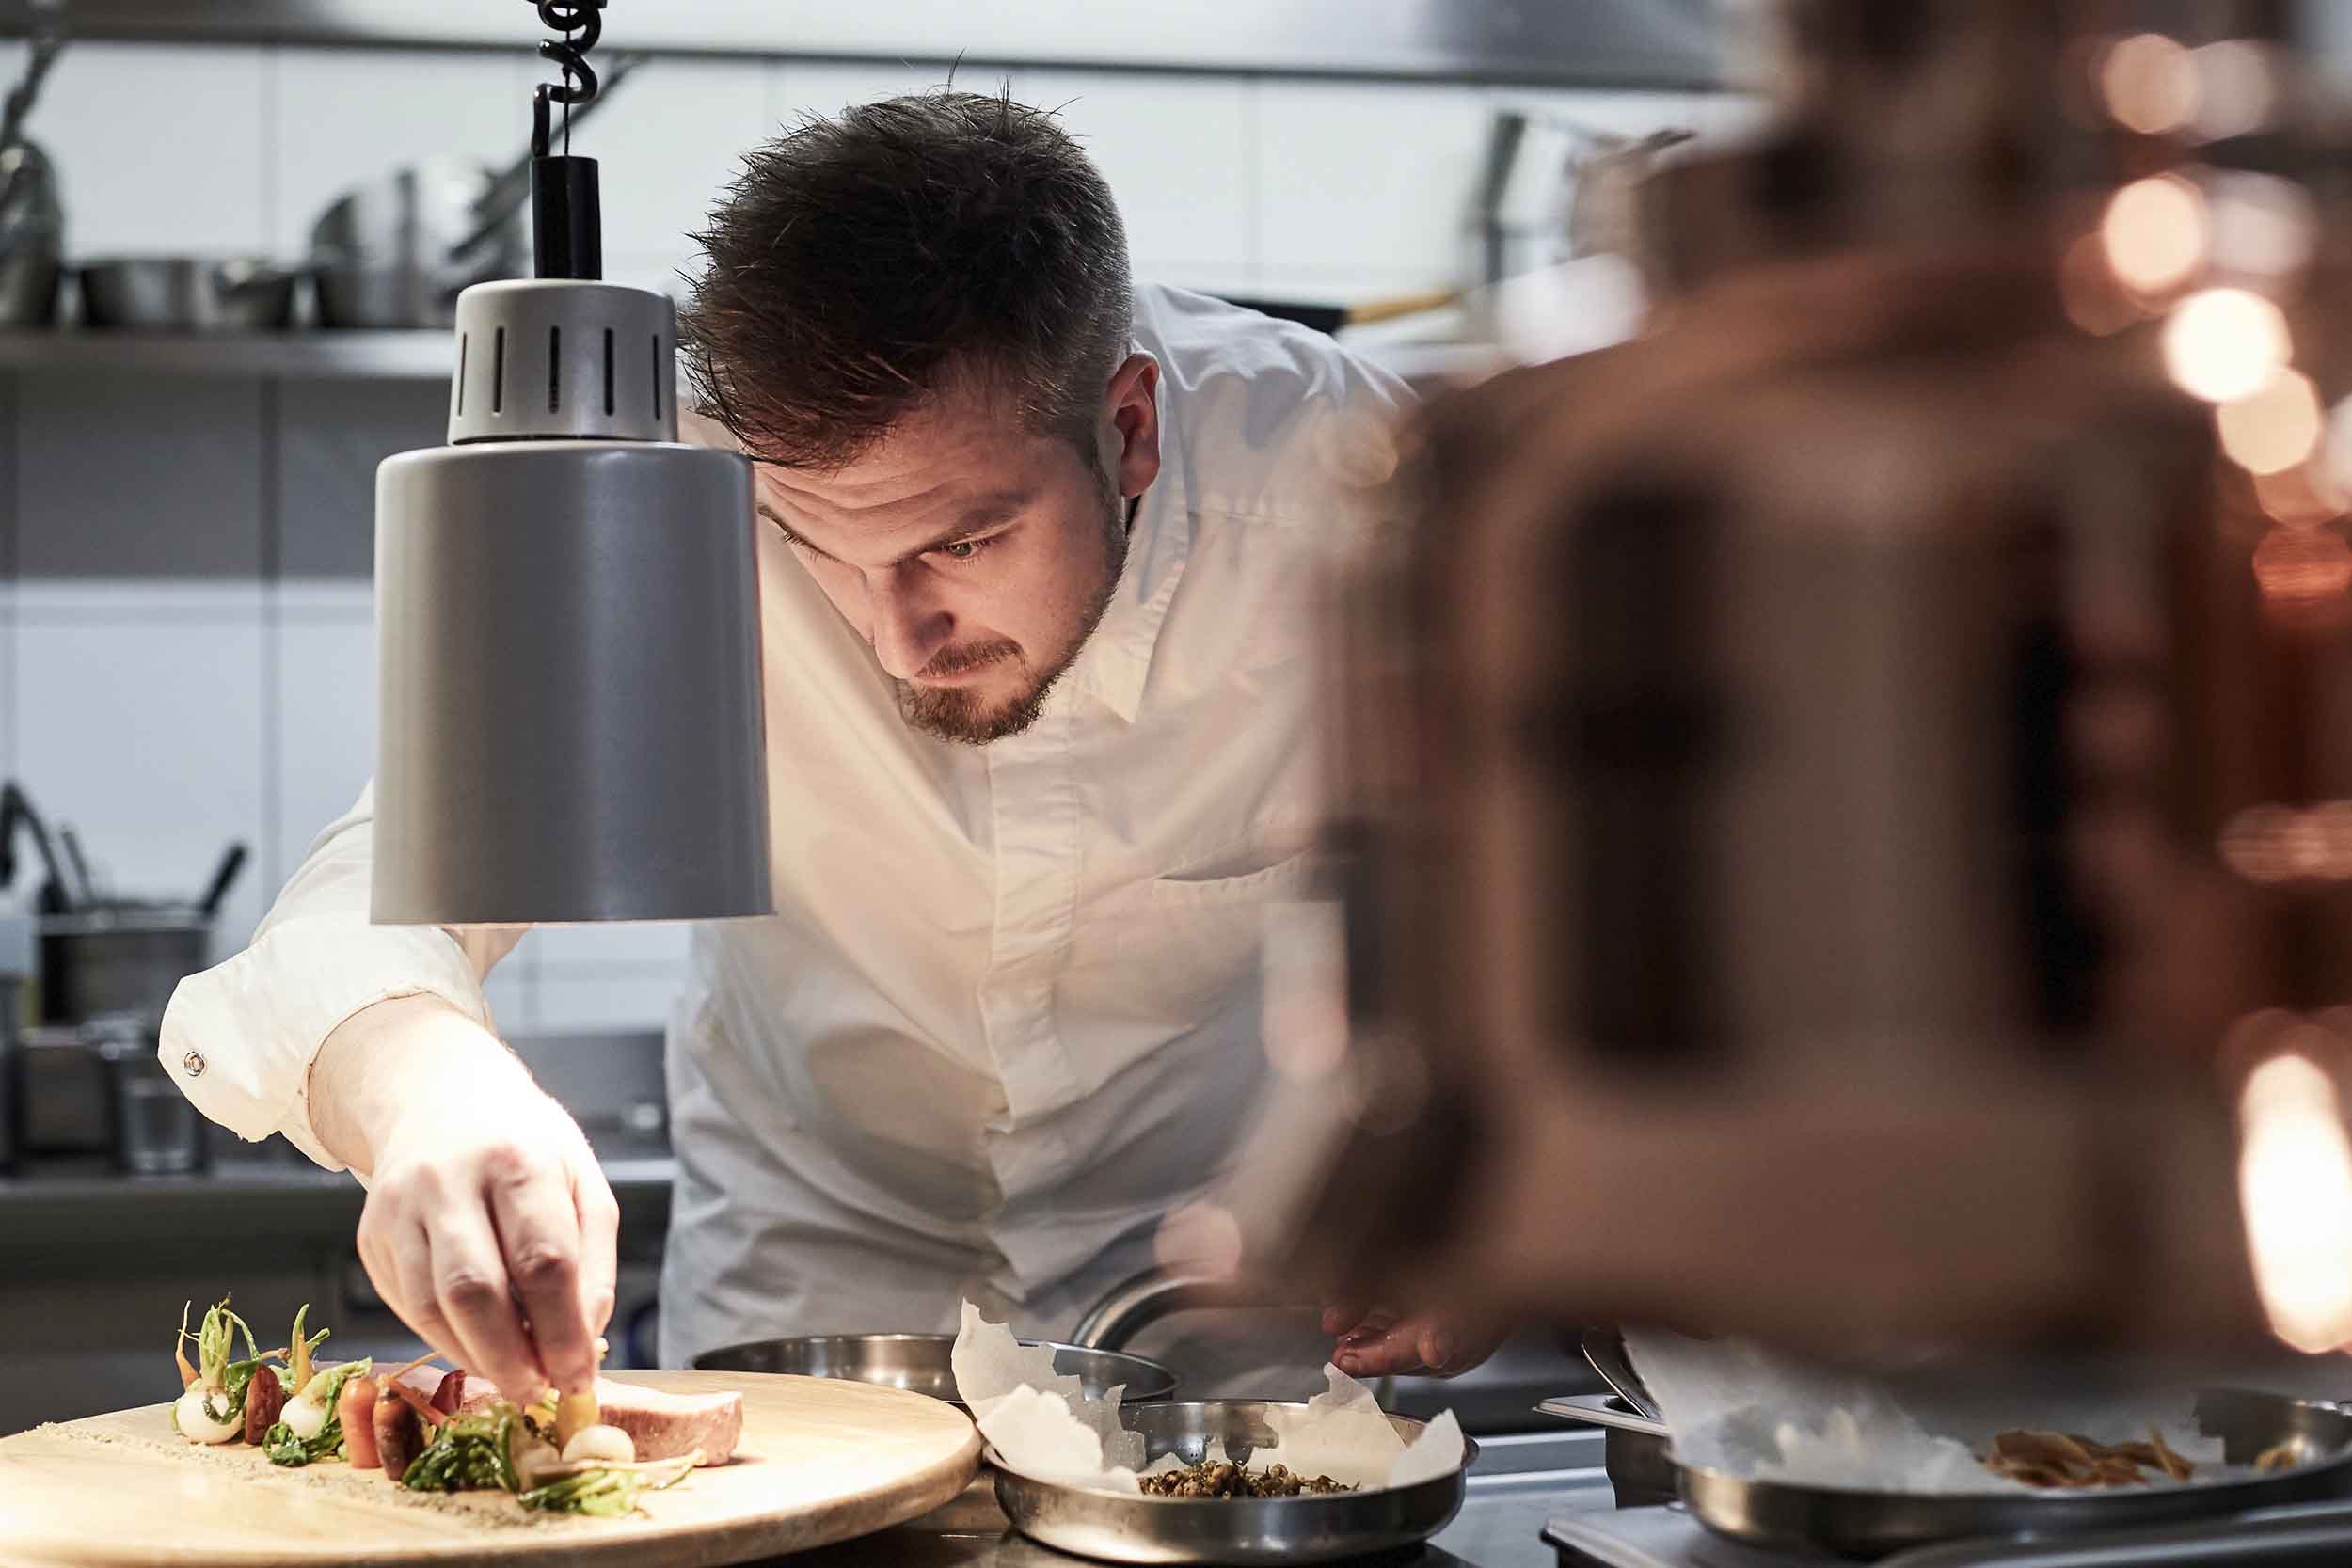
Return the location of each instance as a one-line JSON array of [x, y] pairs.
[[821, 1461]]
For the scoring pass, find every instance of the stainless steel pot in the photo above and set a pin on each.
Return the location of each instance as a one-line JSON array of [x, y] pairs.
[[396, 252], [187, 293], [920, 1362], [1134, 1529], [123, 960]]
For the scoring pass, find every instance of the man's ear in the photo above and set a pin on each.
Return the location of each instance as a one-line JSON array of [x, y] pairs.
[[1131, 441]]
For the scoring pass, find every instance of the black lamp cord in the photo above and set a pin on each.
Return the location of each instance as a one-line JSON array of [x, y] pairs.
[[567, 223]]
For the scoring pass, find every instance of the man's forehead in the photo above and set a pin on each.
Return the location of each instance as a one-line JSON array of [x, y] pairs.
[[939, 459]]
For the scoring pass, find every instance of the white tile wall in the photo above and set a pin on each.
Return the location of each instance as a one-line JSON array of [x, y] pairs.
[[160, 148], [325, 690], [589, 1001], [140, 722], [165, 716], [1366, 182], [1181, 154]]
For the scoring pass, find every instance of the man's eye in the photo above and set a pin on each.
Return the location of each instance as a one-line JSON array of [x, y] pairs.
[[963, 549]]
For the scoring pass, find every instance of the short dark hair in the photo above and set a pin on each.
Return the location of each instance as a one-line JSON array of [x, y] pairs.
[[861, 264]]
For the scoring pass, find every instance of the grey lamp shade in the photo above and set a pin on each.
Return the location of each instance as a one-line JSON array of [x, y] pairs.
[[571, 725], [567, 613]]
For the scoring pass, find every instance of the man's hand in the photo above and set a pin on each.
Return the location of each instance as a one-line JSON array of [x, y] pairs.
[[489, 1228], [1374, 1342]]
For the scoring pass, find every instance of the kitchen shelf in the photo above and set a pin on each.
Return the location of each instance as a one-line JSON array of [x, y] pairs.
[[319, 355], [1659, 44]]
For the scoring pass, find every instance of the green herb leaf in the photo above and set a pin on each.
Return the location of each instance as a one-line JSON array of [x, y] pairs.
[[283, 1447]]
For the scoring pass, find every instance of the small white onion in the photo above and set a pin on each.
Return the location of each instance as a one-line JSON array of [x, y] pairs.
[[607, 1444], [196, 1423], [304, 1417]]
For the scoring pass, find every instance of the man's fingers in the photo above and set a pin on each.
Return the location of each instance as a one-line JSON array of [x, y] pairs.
[[1387, 1353], [408, 1262], [538, 1235], [600, 1220], [472, 1290], [1341, 1316]]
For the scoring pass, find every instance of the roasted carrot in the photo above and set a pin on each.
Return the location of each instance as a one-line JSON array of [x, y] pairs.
[[356, 1409]]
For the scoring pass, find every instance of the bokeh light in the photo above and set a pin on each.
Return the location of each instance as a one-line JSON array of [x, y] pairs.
[[2150, 84], [2156, 234], [2295, 1187], [2237, 88], [2221, 344], [2302, 567], [2276, 429]]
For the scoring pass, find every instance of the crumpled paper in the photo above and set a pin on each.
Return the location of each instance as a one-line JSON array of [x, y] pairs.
[[1733, 1407], [1043, 1424]]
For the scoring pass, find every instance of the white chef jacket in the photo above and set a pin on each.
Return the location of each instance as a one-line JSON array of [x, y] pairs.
[[1006, 1017]]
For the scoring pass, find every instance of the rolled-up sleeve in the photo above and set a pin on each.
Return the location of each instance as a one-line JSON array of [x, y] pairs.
[[239, 1038]]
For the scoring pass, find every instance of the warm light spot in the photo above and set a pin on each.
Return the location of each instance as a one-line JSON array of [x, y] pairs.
[[2237, 88], [2272, 844], [2301, 567], [2086, 283], [2150, 83], [2305, 495], [2261, 225], [2223, 344], [1303, 1005], [2156, 234], [2278, 428], [2294, 1185], [1200, 1240]]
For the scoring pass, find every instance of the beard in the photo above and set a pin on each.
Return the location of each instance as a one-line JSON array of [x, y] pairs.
[[958, 714]]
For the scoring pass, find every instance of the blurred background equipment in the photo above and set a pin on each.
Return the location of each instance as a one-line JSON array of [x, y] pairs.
[[1847, 789]]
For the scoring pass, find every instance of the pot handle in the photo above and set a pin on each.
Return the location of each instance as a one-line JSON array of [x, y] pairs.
[[1598, 1410]]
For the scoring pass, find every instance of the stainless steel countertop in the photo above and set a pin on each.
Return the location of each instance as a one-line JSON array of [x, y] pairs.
[[1518, 1486]]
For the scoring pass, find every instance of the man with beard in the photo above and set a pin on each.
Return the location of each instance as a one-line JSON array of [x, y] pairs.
[[1040, 712]]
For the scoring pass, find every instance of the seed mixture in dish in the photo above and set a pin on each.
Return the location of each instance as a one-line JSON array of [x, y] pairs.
[[1223, 1479]]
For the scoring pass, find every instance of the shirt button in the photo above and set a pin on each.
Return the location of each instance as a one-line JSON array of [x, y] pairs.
[[193, 1064]]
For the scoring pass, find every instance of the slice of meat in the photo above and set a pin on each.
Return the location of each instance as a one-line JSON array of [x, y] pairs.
[[665, 1425]]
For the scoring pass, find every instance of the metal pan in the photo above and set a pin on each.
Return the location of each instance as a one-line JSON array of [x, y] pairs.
[[1248, 1530], [920, 1362], [1868, 1524]]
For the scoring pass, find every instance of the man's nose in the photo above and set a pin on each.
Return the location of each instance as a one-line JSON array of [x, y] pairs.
[[909, 628]]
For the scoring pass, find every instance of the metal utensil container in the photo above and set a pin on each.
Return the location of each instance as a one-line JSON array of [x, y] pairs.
[[921, 1363], [157, 1131], [115, 960], [187, 293], [1127, 1528]]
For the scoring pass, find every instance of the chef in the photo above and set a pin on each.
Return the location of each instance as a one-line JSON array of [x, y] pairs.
[[1037, 547]]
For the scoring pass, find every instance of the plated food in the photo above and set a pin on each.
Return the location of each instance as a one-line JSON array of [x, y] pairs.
[[595, 1452]]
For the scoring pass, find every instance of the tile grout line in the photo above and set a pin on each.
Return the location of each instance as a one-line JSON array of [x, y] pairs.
[[273, 643]]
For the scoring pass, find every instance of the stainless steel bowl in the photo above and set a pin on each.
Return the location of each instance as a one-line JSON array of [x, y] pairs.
[[920, 1362], [187, 293], [1862, 1526], [1269, 1531]]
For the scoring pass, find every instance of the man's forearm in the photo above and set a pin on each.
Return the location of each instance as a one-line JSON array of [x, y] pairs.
[[395, 1058]]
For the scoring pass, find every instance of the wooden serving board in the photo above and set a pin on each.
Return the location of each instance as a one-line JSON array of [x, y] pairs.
[[821, 1461]]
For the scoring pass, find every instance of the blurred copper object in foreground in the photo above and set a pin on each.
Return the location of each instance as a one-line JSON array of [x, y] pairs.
[[1800, 876]]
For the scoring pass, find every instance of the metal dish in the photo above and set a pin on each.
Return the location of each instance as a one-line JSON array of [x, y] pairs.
[[920, 1362], [1868, 1524], [1268, 1531], [187, 293], [1633, 1447]]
